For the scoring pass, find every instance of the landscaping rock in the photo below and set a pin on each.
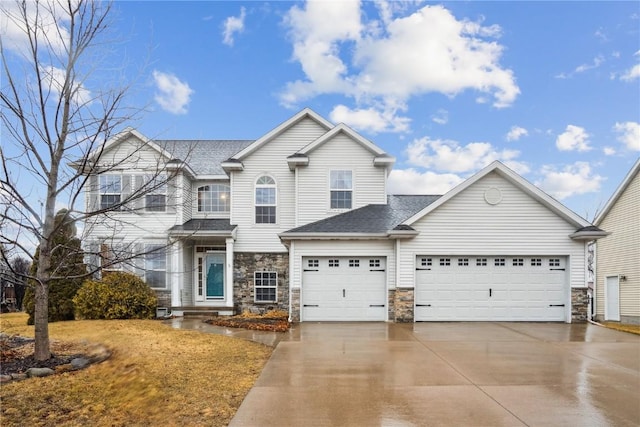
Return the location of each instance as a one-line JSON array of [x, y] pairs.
[[5, 378], [80, 362], [64, 368], [19, 376], [39, 372]]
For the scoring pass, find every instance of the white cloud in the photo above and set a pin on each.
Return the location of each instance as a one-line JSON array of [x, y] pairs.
[[571, 180], [597, 61], [174, 95], [516, 132], [441, 117], [629, 134], [367, 59], [631, 74], [449, 156], [233, 25], [410, 181], [370, 119], [573, 138], [609, 151], [54, 78], [51, 20]]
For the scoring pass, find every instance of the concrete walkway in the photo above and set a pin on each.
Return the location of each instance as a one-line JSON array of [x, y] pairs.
[[448, 374]]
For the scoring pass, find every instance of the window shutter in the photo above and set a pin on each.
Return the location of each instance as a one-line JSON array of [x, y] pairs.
[[138, 201], [126, 191], [172, 194], [93, 194]]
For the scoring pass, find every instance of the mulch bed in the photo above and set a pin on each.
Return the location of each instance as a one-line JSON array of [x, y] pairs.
[[252, 323], [16, 356]]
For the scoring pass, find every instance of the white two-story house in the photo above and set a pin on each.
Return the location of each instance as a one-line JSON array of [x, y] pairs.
[[300, 220]]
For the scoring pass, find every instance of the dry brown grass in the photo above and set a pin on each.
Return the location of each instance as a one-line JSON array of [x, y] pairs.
[[625, 327], [156, 376]]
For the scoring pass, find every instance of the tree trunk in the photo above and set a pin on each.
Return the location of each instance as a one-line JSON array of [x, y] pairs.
[[41, 322]]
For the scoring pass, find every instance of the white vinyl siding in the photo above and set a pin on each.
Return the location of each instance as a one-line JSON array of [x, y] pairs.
[[518, 225], [339, 153], [619, 253], [270, 159], [186, 200]]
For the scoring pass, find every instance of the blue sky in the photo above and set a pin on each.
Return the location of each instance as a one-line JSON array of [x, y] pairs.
[[552, 89]]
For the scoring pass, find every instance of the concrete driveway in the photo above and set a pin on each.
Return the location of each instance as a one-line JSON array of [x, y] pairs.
[[471, 374]]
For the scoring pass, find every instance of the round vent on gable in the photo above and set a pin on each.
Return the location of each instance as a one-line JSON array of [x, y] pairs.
[[493, 196]]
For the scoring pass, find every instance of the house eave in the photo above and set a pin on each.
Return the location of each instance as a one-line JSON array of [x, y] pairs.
[[229, 166], [332, 236], [296, 161], [588, 235]]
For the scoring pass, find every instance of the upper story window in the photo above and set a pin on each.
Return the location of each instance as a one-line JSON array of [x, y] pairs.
[[214, 198], [155, 199], [265, 200], [110, 190], [341, 188]]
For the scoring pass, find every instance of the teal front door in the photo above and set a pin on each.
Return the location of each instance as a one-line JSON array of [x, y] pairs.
[[215, 276]]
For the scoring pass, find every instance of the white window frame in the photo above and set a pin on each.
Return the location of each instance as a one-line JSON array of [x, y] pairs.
[[107, 188], [338, 184], [266, 186], [109, 252], [157, 186], [272, 283], [216, 198], [150, 250]]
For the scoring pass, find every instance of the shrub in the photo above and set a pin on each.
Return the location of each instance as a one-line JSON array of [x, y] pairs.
[[116, 296]]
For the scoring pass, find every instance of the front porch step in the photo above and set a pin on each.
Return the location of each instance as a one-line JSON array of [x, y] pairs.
[[202, 311]]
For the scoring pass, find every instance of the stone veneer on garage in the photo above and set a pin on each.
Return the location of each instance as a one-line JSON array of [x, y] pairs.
[[247, 263], [579, 305]]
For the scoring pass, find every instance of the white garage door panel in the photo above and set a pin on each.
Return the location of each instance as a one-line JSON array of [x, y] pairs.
[[344, 289], [490, 288]]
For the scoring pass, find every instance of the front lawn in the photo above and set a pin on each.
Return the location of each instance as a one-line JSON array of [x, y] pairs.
[[156, 376]]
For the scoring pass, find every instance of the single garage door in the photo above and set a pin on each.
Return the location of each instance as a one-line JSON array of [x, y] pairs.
[[498, 288], [344, 289]]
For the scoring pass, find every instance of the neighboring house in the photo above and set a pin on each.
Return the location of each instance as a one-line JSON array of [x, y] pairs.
[[300, 220], [617, 295]]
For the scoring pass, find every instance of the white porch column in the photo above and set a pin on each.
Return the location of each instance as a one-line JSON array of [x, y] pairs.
[[176, 273], [228, 280]]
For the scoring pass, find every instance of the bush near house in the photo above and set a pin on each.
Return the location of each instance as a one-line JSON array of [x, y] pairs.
[[117, 296]]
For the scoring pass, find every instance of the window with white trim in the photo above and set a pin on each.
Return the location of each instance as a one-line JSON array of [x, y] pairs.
[[374, 263], [314, 263], [445, 262], [110, 190], [554, 262], [518, 262], [265, 201], [214, 198], [463, 262], [109, 257], [334, 263], [155, 199], [354, 263], [341, 189], [536, 262], [499, 262], [265, 286], [155, 266], [426, 262], [481, 262]]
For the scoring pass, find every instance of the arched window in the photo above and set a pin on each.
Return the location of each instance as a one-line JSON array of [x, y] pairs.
[[265, 200], [214, 198]]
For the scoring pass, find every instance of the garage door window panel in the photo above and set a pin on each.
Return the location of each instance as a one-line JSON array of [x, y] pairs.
[[265, 286]]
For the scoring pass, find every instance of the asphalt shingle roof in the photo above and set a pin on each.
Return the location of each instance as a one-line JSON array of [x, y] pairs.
[[371, 218], [194, 225], [204, 156]]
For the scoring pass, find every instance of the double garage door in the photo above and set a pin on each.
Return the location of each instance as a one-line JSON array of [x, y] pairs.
[[344, 289], [485, 288]]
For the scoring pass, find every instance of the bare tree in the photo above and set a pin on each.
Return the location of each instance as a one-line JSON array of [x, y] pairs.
[[62, 100]]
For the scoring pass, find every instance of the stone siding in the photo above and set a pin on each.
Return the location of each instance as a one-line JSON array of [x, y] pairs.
[[247, 263], [295, 305], [402, 306], [579, 305]]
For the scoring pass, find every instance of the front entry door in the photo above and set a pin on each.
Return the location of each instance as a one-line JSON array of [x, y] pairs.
[[214, 276]]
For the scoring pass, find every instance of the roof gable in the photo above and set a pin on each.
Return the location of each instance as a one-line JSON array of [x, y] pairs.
[[633, 173], [518, 181], [306, 113], [124, 136], [342, 128]]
